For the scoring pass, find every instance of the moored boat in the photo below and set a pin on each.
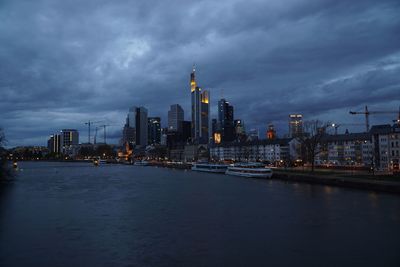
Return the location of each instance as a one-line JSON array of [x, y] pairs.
[[98, 161], [142, 163], [250, 170], [208, 167]]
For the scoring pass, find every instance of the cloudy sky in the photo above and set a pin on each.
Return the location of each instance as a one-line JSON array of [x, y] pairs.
[[66, 62]]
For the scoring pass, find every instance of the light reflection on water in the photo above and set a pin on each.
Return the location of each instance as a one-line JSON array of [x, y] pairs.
[[70, 214]]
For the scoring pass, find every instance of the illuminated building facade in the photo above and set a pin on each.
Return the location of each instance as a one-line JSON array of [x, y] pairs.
[[295, 125], [217, 138], [271, 133], [200, 111], [275, 151]]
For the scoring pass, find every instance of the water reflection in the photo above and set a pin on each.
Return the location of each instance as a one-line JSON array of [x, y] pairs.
[[124, 215]]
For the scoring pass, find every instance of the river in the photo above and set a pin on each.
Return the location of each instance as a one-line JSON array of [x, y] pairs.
[[75, 214]]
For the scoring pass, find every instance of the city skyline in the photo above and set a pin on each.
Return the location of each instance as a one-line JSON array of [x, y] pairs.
[[268, 60]]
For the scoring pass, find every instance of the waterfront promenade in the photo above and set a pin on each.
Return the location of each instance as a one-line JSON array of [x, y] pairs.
[[385, 183]]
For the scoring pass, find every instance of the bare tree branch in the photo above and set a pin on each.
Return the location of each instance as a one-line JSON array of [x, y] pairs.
[[311, 139]]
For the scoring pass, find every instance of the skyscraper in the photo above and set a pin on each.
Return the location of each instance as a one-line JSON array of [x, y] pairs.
[[239, 126], [225, 120], [186, 130], [295, 125], [200, 111], [240, 131], [138, 117], [54, 144], [128, 132], [175, 118], [154, 131], [69, 137]]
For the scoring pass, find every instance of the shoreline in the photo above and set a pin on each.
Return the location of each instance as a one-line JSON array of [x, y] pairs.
[[339, 181]]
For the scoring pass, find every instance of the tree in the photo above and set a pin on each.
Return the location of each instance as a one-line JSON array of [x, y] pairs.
[[311, 140], [4, 170]]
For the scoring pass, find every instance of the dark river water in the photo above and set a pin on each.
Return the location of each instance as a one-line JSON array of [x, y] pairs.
[[75, 214]]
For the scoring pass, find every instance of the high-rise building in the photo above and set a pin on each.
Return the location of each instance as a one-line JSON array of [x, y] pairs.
[[69, 137], [128, 133], [137, 117], [240, 131], [295, 125], [154, 131], [239, 126], [54, 143], [186, 130], [200, 111], [253, 134], [225, 120], [214, 126], [175, 117], [130, 120]]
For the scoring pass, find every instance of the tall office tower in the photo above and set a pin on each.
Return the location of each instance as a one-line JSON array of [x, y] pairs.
[[239, 126], [137, 118], [200, 111], [128, 133], [69, 137], [54, 143], [214, 126], [154, 131], [186, 130], [175, 117], [225, 120], [295, 125]]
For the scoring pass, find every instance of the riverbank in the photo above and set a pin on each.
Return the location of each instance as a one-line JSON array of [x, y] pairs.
[[366, 183]]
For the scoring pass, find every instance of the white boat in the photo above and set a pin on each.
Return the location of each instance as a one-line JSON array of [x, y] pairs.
[[250, 170], [208, 167], [97, 161], [142, 163]]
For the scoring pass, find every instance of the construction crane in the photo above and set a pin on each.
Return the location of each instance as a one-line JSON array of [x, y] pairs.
[[95, 135], [104, 126], [89, 124], [366, 112], [337, 125]]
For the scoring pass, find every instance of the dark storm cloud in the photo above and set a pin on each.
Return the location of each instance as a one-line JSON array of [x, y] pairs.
[[65, 62]]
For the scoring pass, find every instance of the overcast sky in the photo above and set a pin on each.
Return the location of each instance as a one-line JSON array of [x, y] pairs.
[[66, 62]]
